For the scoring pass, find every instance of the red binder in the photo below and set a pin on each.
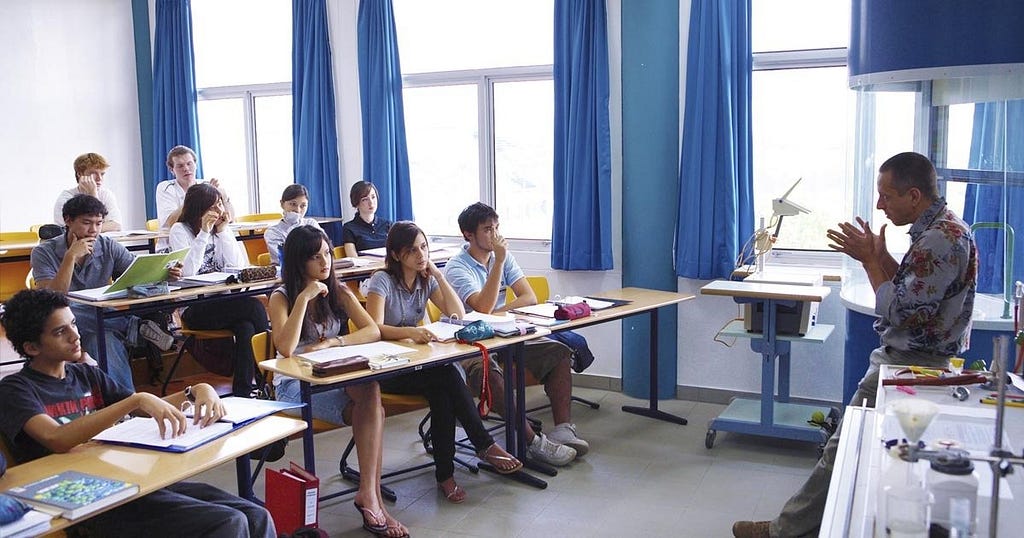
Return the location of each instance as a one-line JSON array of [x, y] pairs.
[[293, 497]]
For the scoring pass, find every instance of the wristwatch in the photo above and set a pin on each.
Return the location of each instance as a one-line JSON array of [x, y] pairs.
[[189, 395]]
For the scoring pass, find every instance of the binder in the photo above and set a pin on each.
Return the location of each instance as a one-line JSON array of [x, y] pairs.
[[293, 498]]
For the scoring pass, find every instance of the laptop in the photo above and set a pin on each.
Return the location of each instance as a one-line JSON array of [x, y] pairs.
[[144, 269]]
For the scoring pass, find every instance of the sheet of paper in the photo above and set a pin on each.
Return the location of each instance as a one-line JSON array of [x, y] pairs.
[[377, 252], [217, 277], [371, 350], [544, 310], [595, 304], [241, 410], [445, 332], [144, 431], [489, 318]]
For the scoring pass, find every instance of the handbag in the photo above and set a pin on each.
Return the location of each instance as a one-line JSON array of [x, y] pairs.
[[472, 334], [572, 311], [343, 365]]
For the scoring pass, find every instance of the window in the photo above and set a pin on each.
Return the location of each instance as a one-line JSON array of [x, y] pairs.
[[479, 111], [802, 113], [243, 73]]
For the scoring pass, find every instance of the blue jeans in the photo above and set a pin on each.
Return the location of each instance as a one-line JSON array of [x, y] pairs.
[[328, 406], [116, 334]]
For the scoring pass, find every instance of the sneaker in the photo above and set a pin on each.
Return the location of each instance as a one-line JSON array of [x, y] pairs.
[[750, 529], [541, 449], [151, 331], [565, 434]]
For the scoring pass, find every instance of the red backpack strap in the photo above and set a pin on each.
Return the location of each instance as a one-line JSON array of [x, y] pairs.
[[484, 407]]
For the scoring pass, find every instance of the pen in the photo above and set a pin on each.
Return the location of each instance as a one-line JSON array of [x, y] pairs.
[[1009, 403]]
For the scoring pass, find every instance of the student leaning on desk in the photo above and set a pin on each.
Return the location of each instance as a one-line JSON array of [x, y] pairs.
[[56, 403]]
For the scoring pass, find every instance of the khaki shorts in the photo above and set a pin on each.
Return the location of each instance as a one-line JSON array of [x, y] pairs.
[[541, 357]]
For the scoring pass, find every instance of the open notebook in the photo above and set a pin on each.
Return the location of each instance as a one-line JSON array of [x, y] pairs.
[[144, 269]]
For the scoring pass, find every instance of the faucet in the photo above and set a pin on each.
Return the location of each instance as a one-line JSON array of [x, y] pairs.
[[1007, 264]]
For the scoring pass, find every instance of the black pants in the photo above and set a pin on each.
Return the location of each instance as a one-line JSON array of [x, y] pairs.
[[449, 400], [244, 316]]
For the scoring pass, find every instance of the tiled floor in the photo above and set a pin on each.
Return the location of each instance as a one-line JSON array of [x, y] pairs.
[[641, 478]]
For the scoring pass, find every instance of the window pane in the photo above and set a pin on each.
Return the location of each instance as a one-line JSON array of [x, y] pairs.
[[444, 166], [241, 42], [523, 154], [273, 150], [800, 130], [222, 135], [465, 34], [799, 24]]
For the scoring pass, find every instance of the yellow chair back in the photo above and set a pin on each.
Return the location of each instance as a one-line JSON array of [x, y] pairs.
[[540, 288], [152, 225], [257, 217], [263, 259]]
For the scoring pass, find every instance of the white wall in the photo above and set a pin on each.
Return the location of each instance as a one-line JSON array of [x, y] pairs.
[[69, 87], [68, 71]]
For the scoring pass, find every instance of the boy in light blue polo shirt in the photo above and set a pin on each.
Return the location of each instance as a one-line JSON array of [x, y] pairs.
[[479, 273]]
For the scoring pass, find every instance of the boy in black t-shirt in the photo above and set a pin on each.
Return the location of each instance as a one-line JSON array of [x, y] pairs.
[[56, 403]]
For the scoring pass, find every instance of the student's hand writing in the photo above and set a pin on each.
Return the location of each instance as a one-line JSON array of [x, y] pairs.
[[419, 335], [163, 413], [80, 246], [860, 244], [87, 185], [314, 289], [208, 406], [210, 218]]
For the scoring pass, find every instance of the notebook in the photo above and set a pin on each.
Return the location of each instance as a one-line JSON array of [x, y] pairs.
[[144, 269], [73, 494]]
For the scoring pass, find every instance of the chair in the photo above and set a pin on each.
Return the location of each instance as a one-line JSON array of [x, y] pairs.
[[153, 225], [13, 274], [257, 217], [543, 292], [190, 336], [263, 259]]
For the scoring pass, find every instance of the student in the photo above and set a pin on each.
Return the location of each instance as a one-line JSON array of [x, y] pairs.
[[366, 230], [310, 312], [479, 273], [294, 202], [925, 302], [170, 194], [80, 259], [56, 403], [202, 227], [396, 300], [90, 169]]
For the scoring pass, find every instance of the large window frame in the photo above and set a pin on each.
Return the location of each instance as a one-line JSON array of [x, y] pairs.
[[484, 80]]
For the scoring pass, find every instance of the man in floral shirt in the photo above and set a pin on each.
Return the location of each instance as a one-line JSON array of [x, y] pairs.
[[924, 303]]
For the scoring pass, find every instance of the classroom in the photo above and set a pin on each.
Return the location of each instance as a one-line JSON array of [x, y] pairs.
[[694, 143]]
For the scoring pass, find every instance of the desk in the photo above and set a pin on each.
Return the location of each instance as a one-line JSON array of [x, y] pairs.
[[852, 502], [641, 301], [424, 356], [153, 469], [775, 416]]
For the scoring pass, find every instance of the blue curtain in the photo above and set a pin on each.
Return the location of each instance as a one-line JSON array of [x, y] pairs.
[[174, 90], [995, 124], [385, 157], [314, 134], [581, 236], [716, 212]]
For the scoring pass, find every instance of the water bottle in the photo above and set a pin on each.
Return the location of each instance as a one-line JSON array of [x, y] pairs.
[[953, 482]]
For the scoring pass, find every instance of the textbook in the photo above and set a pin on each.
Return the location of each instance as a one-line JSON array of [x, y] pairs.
[[144, 269], [142, 432], [32, 523], [73, 494]]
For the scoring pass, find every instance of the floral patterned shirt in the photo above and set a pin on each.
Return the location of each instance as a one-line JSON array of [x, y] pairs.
[[928, 304]]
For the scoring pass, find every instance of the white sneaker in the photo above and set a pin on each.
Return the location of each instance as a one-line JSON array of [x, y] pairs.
[[565, 434], [542, 449], [152, 332]]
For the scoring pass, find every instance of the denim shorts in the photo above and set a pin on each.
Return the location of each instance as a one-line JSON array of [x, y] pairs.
[[327, 406]]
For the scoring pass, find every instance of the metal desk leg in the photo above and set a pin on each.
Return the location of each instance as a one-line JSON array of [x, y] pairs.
[[652, 410], [308, 452], [101, 341], [243, 473], [515, 417]]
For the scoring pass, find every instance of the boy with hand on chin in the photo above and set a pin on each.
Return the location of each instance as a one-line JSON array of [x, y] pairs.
[[57, 402]]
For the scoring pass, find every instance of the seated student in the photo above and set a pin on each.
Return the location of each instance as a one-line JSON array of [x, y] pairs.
[[365, 231], [396, 300], [80, 259], [294, 202], [170, 194], [89, 171], [479, 273], [310, 312], [202, 227], [56, 403]]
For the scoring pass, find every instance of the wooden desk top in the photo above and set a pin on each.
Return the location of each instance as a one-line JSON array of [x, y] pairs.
[[179, 294], [423, 355], [641, 300], [151, 469], [763, 290]]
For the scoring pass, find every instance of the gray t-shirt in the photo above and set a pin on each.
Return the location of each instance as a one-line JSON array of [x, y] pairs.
[[402, 308], [108, 260]]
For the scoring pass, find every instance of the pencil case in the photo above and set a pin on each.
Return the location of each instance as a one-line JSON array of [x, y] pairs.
[[257, 273], [341, 366], [572, 311]]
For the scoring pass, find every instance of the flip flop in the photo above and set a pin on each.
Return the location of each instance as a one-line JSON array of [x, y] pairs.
[[370, 519], [456, 496], [500, 462]]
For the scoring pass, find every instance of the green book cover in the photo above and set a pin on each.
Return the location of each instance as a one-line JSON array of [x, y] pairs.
[[147, 269]]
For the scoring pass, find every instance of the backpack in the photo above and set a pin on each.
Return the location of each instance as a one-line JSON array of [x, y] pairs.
[[582, 357]]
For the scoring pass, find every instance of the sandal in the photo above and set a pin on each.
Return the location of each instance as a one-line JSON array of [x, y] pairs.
[[455, 494], [370, 519], [503, 462], [394, 526]]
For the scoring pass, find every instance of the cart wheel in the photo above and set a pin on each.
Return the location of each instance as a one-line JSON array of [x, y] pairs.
[[709, 439]]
